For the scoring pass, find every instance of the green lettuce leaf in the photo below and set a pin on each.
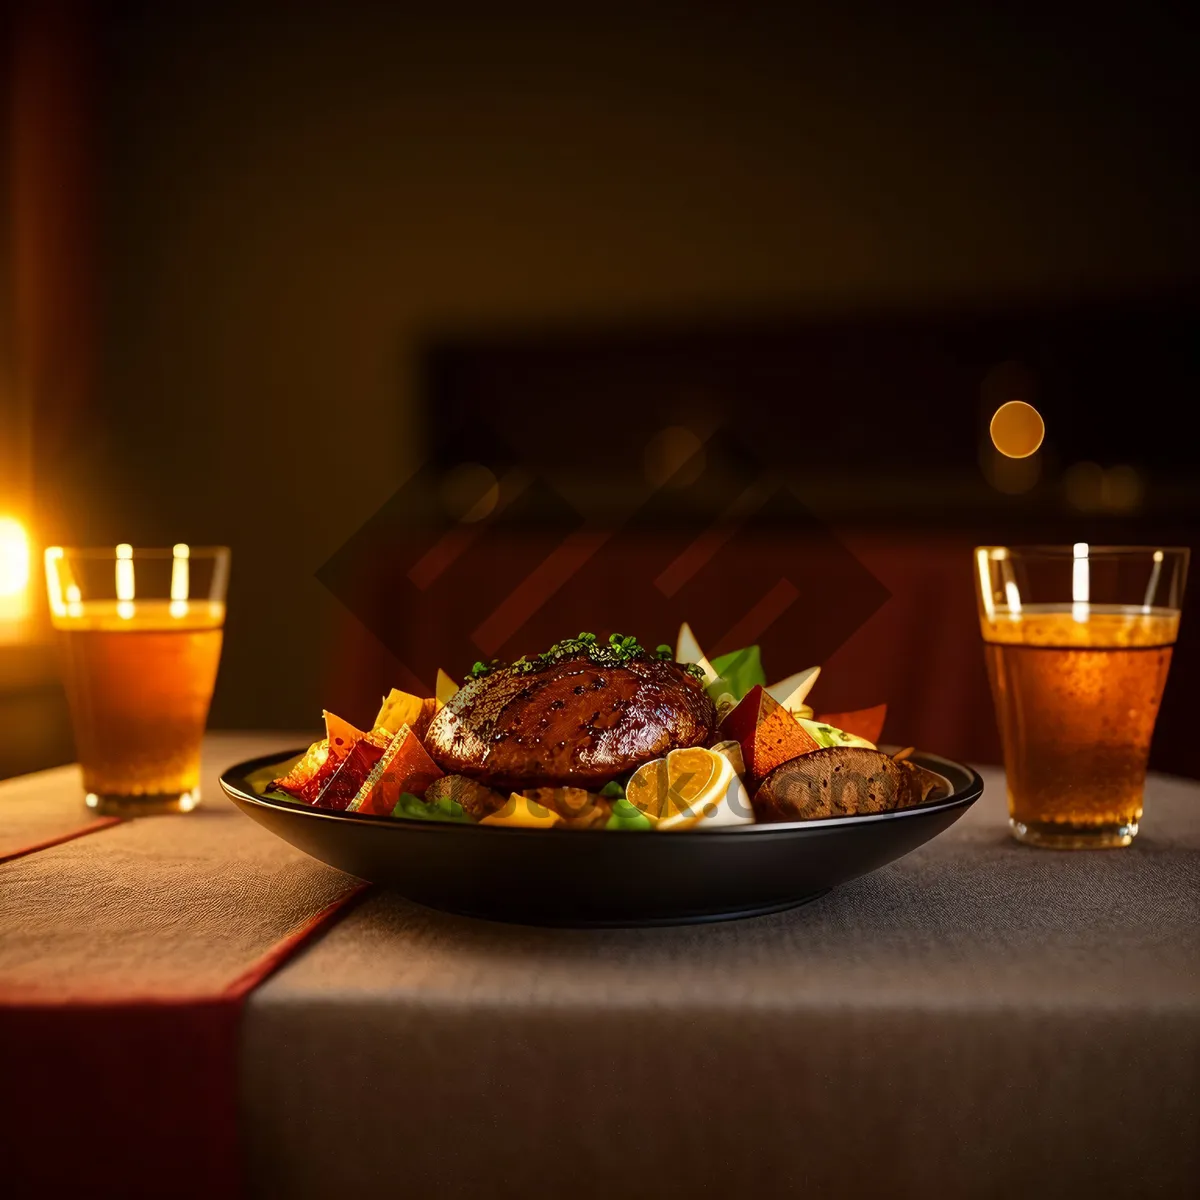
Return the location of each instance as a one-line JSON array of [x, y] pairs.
[[627, 816], [260, 781], [442, 809], [737, 673]]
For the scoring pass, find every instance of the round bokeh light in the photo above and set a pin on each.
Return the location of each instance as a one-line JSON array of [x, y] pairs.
[[1017, 429]]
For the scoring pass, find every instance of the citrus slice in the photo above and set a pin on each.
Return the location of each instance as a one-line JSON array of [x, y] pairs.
[[647, 789], [733, 808], [677, 791], [691, 772]]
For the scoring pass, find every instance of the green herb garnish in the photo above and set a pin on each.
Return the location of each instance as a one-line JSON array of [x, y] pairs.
[[480, 669], [618, 651]]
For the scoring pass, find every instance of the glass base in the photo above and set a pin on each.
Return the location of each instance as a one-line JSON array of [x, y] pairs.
[[1054, 835], [150, 804]]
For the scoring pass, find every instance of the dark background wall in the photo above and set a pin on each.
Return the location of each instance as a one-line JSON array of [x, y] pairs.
[[296, 208]]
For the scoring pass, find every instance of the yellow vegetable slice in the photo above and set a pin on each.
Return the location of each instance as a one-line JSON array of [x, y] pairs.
[[400, 709], [522, 813], [445, 688]]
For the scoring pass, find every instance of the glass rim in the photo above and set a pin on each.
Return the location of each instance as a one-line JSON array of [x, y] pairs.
[[111, 552], [1093, 551]]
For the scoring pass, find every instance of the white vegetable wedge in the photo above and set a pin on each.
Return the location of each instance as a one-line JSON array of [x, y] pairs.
[[687, 650], [793, 691]]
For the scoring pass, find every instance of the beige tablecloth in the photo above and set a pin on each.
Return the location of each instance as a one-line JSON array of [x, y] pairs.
[[979, 1019]]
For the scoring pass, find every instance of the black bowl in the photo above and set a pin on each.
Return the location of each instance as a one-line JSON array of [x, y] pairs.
[[600, 877]]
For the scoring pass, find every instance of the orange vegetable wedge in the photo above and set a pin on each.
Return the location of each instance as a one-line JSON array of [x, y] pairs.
[[863, 722], [302, 780], [767, 733], [340, 735], [404, 767], [353, 770], [306, 779]]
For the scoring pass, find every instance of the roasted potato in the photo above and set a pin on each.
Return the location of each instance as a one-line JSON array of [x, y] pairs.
[[578, 808], [477, 800], [842, 781]]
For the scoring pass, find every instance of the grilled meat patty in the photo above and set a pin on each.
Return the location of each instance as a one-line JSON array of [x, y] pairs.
[[571, 723]]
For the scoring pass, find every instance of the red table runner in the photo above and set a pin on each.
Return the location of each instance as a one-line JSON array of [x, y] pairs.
[[44, 809], [125, 960]]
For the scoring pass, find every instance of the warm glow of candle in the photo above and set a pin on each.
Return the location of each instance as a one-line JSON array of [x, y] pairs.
[[14, 577], [14, 557]]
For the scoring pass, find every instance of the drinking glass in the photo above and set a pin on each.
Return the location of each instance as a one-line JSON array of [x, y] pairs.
[[1078, 642], [139, 635]]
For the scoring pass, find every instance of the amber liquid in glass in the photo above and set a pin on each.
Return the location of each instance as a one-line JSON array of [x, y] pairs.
[[139, 681], [1077, 691]]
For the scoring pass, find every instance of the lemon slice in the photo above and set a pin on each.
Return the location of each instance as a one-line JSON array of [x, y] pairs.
[[734, 807], [692, 773], [666, 788], [692, 788], [648, 787]]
